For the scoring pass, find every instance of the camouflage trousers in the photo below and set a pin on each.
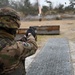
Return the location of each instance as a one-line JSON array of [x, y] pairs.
[[19, 71]]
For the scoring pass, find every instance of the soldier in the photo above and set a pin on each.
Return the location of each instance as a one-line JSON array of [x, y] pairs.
[[12, 52]]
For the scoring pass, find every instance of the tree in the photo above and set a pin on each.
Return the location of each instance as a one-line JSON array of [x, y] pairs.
[[4, 3], [45, 9], [72, 3], [71, 0], [14, 4], [26, 7], [35, 7], [23, 6], [59, 8]]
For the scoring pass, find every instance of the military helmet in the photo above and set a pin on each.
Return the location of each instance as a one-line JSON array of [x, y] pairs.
[[9, 18]]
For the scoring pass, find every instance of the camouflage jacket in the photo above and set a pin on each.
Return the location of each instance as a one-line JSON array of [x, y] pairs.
[[12, 51]]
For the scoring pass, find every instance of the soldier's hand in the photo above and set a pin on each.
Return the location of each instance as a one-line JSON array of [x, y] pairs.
[[32, 30], [23, 39]]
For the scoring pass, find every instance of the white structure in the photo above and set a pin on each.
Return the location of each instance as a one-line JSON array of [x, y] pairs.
[[40, 10]]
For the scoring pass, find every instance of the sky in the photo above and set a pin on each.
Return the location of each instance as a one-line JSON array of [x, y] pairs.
[[55, 2]]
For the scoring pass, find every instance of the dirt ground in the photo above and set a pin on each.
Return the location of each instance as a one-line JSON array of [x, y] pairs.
[[67, 30]]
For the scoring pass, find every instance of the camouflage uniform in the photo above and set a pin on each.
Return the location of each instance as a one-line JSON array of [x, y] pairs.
[[13, 53]]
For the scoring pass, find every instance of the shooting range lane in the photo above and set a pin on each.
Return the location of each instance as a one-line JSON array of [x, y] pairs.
[[53, 59]]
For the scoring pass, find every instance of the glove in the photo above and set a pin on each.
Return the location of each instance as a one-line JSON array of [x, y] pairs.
[[32, 30]]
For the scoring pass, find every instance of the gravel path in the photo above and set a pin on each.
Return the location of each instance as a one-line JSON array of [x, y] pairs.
[[53, 59]]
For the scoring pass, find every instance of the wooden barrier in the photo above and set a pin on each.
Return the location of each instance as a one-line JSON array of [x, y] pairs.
[[21, 31], [43, 30]]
